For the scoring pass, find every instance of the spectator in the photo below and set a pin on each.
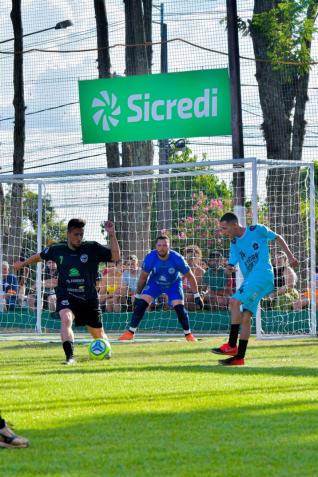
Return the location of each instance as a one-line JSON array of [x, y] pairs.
[[204, 265], [125, 294], [22, 276], [110, 282], [304, 299], [285, 279], [193, 256], [98, 281], [9, 287], [216, 283], [50, 279]]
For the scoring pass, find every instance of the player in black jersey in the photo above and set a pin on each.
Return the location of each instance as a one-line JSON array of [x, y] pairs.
[[77, 266]]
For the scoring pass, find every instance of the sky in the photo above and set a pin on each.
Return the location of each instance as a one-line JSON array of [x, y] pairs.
[[53, 136]]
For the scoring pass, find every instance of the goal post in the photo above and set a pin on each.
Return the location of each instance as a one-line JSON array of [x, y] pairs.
[[279, 194], [313, 255]]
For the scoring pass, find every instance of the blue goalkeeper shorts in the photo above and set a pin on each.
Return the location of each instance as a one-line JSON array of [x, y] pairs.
[[174, 292], [253, 289]]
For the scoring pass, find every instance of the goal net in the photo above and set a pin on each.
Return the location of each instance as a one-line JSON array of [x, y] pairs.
[[184, 201]]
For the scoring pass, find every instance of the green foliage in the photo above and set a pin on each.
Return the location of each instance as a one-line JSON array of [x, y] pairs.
[[53, 229], [196, 203], [201, 226], [305, 204], [288, 29]]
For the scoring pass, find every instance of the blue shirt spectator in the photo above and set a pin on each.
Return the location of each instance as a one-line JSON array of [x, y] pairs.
[[9, 287]]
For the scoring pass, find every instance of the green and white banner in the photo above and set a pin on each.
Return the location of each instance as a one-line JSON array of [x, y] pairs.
[[161, 106]]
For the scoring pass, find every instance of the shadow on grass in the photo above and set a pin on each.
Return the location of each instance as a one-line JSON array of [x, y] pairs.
[[27, 345], [200, 347], [143, 443], [286, 371]]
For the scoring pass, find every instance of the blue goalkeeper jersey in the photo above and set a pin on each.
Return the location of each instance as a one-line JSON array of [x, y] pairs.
[[165, 272], [251, 251]]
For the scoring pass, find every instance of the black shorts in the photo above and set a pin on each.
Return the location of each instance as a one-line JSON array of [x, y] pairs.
[[86, 313]]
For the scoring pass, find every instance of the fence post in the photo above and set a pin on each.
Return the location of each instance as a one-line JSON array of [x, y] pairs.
[[255, 220], [2, 299], [312, 251], [38, 327]]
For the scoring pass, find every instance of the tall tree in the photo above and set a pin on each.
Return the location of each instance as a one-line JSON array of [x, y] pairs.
[[282, 33], [112, 149], [137, 196], [15, 234]]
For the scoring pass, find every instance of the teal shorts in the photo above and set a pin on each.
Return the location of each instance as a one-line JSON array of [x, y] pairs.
[[252, 290]]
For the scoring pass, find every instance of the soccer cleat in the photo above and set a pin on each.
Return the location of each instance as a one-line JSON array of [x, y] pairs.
[[225, 349], [127, 336], [234, 361], [109, 354], [70, 361], [190, 337], [9, 439]]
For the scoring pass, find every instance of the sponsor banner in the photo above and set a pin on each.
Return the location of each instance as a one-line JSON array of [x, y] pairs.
[[161, 106]]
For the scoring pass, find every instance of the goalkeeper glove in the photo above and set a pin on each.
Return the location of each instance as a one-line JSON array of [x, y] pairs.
[[198, 301]]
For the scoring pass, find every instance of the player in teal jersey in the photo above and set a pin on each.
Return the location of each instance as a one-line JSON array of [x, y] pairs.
[[77, 267], [250, 249]]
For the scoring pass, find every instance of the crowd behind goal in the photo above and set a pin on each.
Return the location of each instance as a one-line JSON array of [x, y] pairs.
[[117, 281]]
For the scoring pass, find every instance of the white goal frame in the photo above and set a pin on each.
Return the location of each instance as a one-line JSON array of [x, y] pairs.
[[146, 172]]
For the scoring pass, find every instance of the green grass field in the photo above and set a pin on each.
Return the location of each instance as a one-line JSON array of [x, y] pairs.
[[162, 409]]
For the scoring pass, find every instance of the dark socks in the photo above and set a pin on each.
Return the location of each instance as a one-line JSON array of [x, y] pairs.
[[68, 347], [139, 311], [2, 423], [242, 348], [183, 318], [234, 332]]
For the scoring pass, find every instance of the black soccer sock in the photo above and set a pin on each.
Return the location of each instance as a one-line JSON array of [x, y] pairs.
[[183, 318], [242, 348], [68, 347], [234, 332], [139, 310], [2, 423]]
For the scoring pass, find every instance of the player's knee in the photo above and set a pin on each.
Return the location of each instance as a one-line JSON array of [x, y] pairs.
[[66, 318], [234, 304], [246, 316], [140, 306], [181, 311]]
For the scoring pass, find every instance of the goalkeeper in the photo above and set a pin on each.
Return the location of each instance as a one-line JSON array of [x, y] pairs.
[[249, 248], [161, 273]]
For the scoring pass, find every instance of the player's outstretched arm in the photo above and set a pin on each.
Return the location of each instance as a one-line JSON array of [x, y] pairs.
[[291, 258], [141, 283], [29, 261], [194, 288], [114, 246]]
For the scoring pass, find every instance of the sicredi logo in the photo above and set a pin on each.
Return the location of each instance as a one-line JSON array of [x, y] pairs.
[[107, 109], [156, 106], [141, 108]]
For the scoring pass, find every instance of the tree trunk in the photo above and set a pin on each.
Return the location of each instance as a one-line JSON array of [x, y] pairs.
[[112, 149], [15, 226], [147, 4], [283, 96], [136, 196]]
